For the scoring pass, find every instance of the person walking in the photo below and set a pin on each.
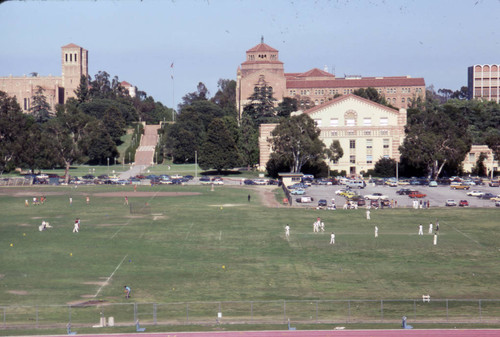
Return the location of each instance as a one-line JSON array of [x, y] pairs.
[[87, 199], [430, 228], [77, 226], [376, 231], [126, 201], [287, 231], [368, 214]]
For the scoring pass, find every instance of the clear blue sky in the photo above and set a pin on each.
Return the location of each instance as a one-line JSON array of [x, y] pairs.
[[206, 40]]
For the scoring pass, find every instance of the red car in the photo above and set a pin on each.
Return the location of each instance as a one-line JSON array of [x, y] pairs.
[[417, 194], [463, 203]]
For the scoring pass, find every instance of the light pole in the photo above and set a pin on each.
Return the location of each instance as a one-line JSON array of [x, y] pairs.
[[196, 164], [108, 166]]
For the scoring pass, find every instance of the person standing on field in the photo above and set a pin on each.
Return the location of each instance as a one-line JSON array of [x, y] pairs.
[[420, 230], [332, 238], [287, 231], [430, 228], [77, 226], [376, 231], [368, 214]]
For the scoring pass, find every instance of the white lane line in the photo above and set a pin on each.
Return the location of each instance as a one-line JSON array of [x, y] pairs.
[[109, 278]]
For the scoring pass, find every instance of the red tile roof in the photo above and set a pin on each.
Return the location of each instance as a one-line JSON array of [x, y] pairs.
[[355, 83], [262, 47], [315, 72], [345, 97], [71, 45], [125, 84]]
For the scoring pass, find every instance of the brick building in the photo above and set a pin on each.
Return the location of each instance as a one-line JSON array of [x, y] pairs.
[[484, 82], [74, 61], [367, 131], [314, 87]]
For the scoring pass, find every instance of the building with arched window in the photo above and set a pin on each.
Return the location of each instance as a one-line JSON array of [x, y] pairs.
[[315, 87], [484, 82]]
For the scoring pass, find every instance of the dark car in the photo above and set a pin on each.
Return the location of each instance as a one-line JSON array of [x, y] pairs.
[[205, 180], [249, 182], [494, 183], [189, 177], [322, 203], [405, 191], [487, 196]]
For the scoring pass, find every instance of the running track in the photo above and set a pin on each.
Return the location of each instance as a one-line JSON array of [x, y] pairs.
[[323, 333]]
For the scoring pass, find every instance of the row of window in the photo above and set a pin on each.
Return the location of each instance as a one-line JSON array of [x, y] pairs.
[[70, 58], [367, 121], [369, 159], [369, 143], [365, 133]]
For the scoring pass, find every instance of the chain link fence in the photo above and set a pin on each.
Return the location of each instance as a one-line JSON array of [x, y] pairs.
[[98, 313]]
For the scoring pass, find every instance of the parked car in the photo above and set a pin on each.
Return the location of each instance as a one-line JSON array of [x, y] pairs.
[[433, 183], [475, 193], [356, 184], [375, 196], [248, 182], [459, 186], [450, 202], [497, 203], [487, 196], [497, 198], [463, 203], [205, 180], [217, 181], [297, 185], [304, 199], [322, 203], [417, 194], [405, 191], [260, 181], [358, 199], [494, 183], [298, 191]]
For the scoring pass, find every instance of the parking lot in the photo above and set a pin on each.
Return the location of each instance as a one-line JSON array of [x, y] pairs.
[[436, 196]]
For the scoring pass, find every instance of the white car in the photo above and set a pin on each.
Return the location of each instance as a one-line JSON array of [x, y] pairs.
[[450, 202], [376, 196], [217, 181], [260, 181], [475, 193]]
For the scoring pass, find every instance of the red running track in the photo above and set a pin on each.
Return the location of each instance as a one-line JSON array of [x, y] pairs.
[[322, 333]]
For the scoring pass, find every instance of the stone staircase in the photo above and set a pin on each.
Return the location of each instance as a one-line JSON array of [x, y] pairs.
[[144, 155]]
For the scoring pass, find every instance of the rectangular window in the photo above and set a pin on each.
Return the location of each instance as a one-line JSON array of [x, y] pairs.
[[386, 143], [384, 132], [384, 121], [334, 133], [75, 57], [350, 122], [367, 121], [352, 143], [369, 159], [351, 133], [352, 159], [70, 57], [369, 143], [367, 132], [66, 57], [334, 122]]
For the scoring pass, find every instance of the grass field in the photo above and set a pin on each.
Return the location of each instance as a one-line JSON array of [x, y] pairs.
[[215, 246]]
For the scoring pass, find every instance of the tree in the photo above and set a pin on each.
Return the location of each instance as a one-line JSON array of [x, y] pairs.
[[82, 92], [225, 97], [40, 109], [385, 167], [435, 137], [480, 169], [493, 142], [261, 106], [100, 87], [13, 126], [201, 94], [248, 144], [287, 106], [98, 145], [219, 150], [297, 141], [68, 132], [335, 151], [460, 94], [371, 94]]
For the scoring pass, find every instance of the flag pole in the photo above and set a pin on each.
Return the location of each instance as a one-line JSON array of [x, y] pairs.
[[173, 90]]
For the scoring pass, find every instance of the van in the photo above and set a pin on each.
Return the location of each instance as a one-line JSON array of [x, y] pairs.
[[356, 184]]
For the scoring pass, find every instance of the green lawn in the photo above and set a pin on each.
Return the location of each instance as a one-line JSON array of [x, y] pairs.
[[215, 246]]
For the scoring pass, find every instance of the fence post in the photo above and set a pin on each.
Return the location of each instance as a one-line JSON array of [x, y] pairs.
[[251, 310], [382, 310], [348, 311], [480, 313], [69, 314], [155, 321], [415, 310], [284, 310], [447, 309], [187, 312]]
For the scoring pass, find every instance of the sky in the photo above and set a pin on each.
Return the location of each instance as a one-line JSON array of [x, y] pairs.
[[206, 40]]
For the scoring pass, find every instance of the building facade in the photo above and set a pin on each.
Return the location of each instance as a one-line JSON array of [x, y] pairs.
[[484, 82], [314, 87], [57, 89], [367, 131], [471, 159]]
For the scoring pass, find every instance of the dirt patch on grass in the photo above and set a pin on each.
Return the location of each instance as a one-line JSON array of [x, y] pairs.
[[18, 292], [90, 303], [132, 194]]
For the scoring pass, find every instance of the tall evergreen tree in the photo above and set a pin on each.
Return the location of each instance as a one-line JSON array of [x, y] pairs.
[[40, 109], [219, 150]]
